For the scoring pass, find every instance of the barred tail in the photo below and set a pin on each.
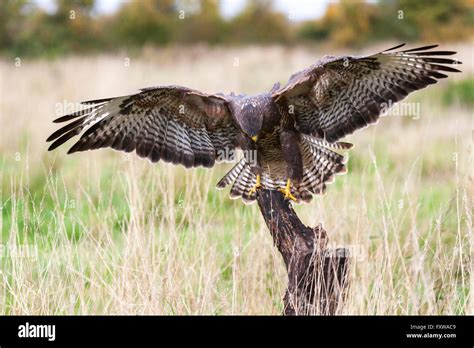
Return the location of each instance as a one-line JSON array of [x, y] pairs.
[[320, 165], [243, 180]]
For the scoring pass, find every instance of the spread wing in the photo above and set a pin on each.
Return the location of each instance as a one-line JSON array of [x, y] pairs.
[[172, 123], [339, 95]]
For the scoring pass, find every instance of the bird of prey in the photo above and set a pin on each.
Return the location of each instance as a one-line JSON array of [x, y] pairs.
[[289, 135]]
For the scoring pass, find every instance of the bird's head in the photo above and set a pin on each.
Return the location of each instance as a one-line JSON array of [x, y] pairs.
[[248, 113]]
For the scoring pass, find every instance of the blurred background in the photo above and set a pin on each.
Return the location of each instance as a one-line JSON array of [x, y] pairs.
[[103, 232], [55, 27]]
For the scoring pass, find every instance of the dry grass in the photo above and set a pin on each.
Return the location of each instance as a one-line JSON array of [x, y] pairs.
[[113, 234]]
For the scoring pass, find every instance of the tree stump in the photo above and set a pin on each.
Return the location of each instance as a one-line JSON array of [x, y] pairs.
[[317, 276]]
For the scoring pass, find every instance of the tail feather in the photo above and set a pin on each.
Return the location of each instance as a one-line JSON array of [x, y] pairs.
[[231, 175], [340, 145], [243, 184], [320, 165], [242, 180]]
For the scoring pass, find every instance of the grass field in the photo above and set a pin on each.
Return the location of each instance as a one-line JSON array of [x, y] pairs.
[[107, 233]]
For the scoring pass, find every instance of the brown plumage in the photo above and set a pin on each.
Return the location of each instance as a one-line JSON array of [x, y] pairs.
[[290, 132]]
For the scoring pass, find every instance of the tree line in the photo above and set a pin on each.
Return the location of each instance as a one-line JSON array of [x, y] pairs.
[[76, 27]]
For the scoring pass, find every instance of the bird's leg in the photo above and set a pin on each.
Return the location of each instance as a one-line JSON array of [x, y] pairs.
[[289, 140], [256, 186], [255, 169], [249, 147], [287, 191]]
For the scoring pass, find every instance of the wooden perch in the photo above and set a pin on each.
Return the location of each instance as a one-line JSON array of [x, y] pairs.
[[317, 277]]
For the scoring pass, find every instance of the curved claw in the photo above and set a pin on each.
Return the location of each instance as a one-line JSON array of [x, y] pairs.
[[287, 191]]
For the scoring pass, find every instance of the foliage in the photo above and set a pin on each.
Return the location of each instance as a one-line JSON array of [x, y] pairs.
[[461, 92], [75, 26], [141, 22], [259, 23], [355, 22]]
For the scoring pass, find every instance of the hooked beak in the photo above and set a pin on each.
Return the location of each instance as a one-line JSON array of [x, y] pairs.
[[254, 138]]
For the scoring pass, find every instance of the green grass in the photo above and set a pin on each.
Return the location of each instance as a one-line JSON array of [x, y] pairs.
[[115, 234], [461, 92], [61, 209]]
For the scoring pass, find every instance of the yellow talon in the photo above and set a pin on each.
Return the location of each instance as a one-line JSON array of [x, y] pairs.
[[256, 186], [287, 192], [255, 138]]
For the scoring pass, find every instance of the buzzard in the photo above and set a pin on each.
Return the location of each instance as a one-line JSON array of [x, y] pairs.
[[289, 135]]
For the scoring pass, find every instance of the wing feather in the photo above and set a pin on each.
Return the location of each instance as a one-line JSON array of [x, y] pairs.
[[173, 123], [339, 95]]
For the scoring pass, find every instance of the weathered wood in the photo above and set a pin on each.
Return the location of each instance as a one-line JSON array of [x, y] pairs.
[[317, 276]]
